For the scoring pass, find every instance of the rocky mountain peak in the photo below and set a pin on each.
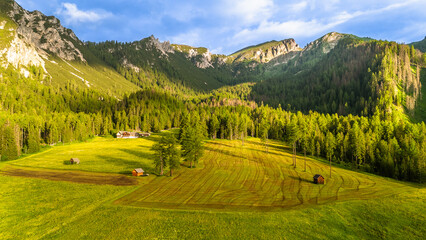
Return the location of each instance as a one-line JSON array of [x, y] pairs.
[[265, 52], [201, 57], [326, 42], [46, 33], [163, 47]]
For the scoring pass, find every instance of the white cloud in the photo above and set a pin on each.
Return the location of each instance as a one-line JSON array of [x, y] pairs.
[[191, 38], [304, 28], [184, 12], [414, 32], [248, 11], [298, 7], [74, 15], [295, 29]]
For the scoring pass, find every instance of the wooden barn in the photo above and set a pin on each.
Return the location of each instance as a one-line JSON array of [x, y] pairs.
[[75, 161], [144, 134], [318, 179], [137, 172], [126, 134]]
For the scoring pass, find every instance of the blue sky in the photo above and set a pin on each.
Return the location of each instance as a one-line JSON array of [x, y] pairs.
[[225, 26]]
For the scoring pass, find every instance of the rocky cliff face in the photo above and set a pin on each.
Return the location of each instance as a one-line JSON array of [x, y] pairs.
[[326, 43], [266, 52], [163, 47], [20, 55], [46, 34], [200, 57], [15, 51]]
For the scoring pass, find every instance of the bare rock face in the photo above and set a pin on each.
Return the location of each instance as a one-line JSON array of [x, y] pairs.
[[46, 34], [268, 51], [282, 48], [205, 61], [327, 42], [20, 54], [200, 57], [163, 47], [15, 51], [126, 63]]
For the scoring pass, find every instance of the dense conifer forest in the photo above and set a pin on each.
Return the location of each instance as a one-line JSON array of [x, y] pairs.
[[35, 114], [354, 78], [351, 100]]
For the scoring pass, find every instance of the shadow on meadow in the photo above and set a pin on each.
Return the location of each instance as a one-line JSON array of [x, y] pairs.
[[276, 147], [126, 163], [300, 179], [225, 152]]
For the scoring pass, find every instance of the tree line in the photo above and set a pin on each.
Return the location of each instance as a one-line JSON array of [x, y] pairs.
[[355, 77], [385, 143]]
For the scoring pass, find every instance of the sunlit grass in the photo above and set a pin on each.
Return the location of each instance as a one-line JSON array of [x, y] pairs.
[[236, 192]]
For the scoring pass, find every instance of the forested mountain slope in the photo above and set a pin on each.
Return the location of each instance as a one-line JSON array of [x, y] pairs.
[[420, 45], [347, 76]]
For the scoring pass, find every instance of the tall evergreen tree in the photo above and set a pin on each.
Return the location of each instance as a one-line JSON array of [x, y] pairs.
[[192, 145]]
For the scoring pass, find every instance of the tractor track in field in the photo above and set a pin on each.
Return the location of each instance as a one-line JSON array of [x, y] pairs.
[[237, 177], [71, 176]]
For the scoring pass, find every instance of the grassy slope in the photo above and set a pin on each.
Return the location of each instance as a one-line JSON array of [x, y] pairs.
[[100, 155], [381, 208], [100, 77], [250, 49]]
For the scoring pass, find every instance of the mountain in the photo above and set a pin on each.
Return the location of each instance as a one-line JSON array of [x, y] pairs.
[[265, 52], [345, 74], [420, 45], [31, 39], [180, 67], [337, 73]]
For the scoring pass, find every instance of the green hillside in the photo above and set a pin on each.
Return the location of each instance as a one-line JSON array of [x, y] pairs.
[[249, 49], [420, 45], [354, 77], [151, 55]]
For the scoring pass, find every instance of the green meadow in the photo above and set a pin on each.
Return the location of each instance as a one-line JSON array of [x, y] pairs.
[[236, 191]]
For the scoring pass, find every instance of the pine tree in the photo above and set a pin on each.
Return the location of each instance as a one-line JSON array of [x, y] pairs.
[[330, 145], [293, 136], [9, 145], [192, 145]]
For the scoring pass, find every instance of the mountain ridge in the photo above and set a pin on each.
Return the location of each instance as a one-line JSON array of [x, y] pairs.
[[119, 68]]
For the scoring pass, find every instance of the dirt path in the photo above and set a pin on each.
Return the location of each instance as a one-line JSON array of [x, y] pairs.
[[71, 176]]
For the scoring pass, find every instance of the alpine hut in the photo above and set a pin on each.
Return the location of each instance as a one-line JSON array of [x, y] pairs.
[[137, 172], [75, 161], [318, 179]]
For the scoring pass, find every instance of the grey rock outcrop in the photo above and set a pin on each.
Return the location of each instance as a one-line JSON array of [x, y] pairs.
[[163, 47], [326, 43], [46, 34], [268, 51]]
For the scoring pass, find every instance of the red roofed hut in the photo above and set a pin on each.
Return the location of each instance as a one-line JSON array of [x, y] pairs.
[[318, 179], [137, 172]]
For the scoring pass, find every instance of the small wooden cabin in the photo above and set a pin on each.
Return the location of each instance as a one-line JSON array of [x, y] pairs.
[[75, 161], [126, 134], [318, 179], [137, 172]]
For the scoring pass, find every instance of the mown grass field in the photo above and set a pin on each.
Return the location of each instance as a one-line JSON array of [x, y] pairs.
[[108, 155], [236, 192]]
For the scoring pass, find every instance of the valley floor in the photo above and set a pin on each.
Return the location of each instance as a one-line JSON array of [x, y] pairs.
[[236, 192]]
